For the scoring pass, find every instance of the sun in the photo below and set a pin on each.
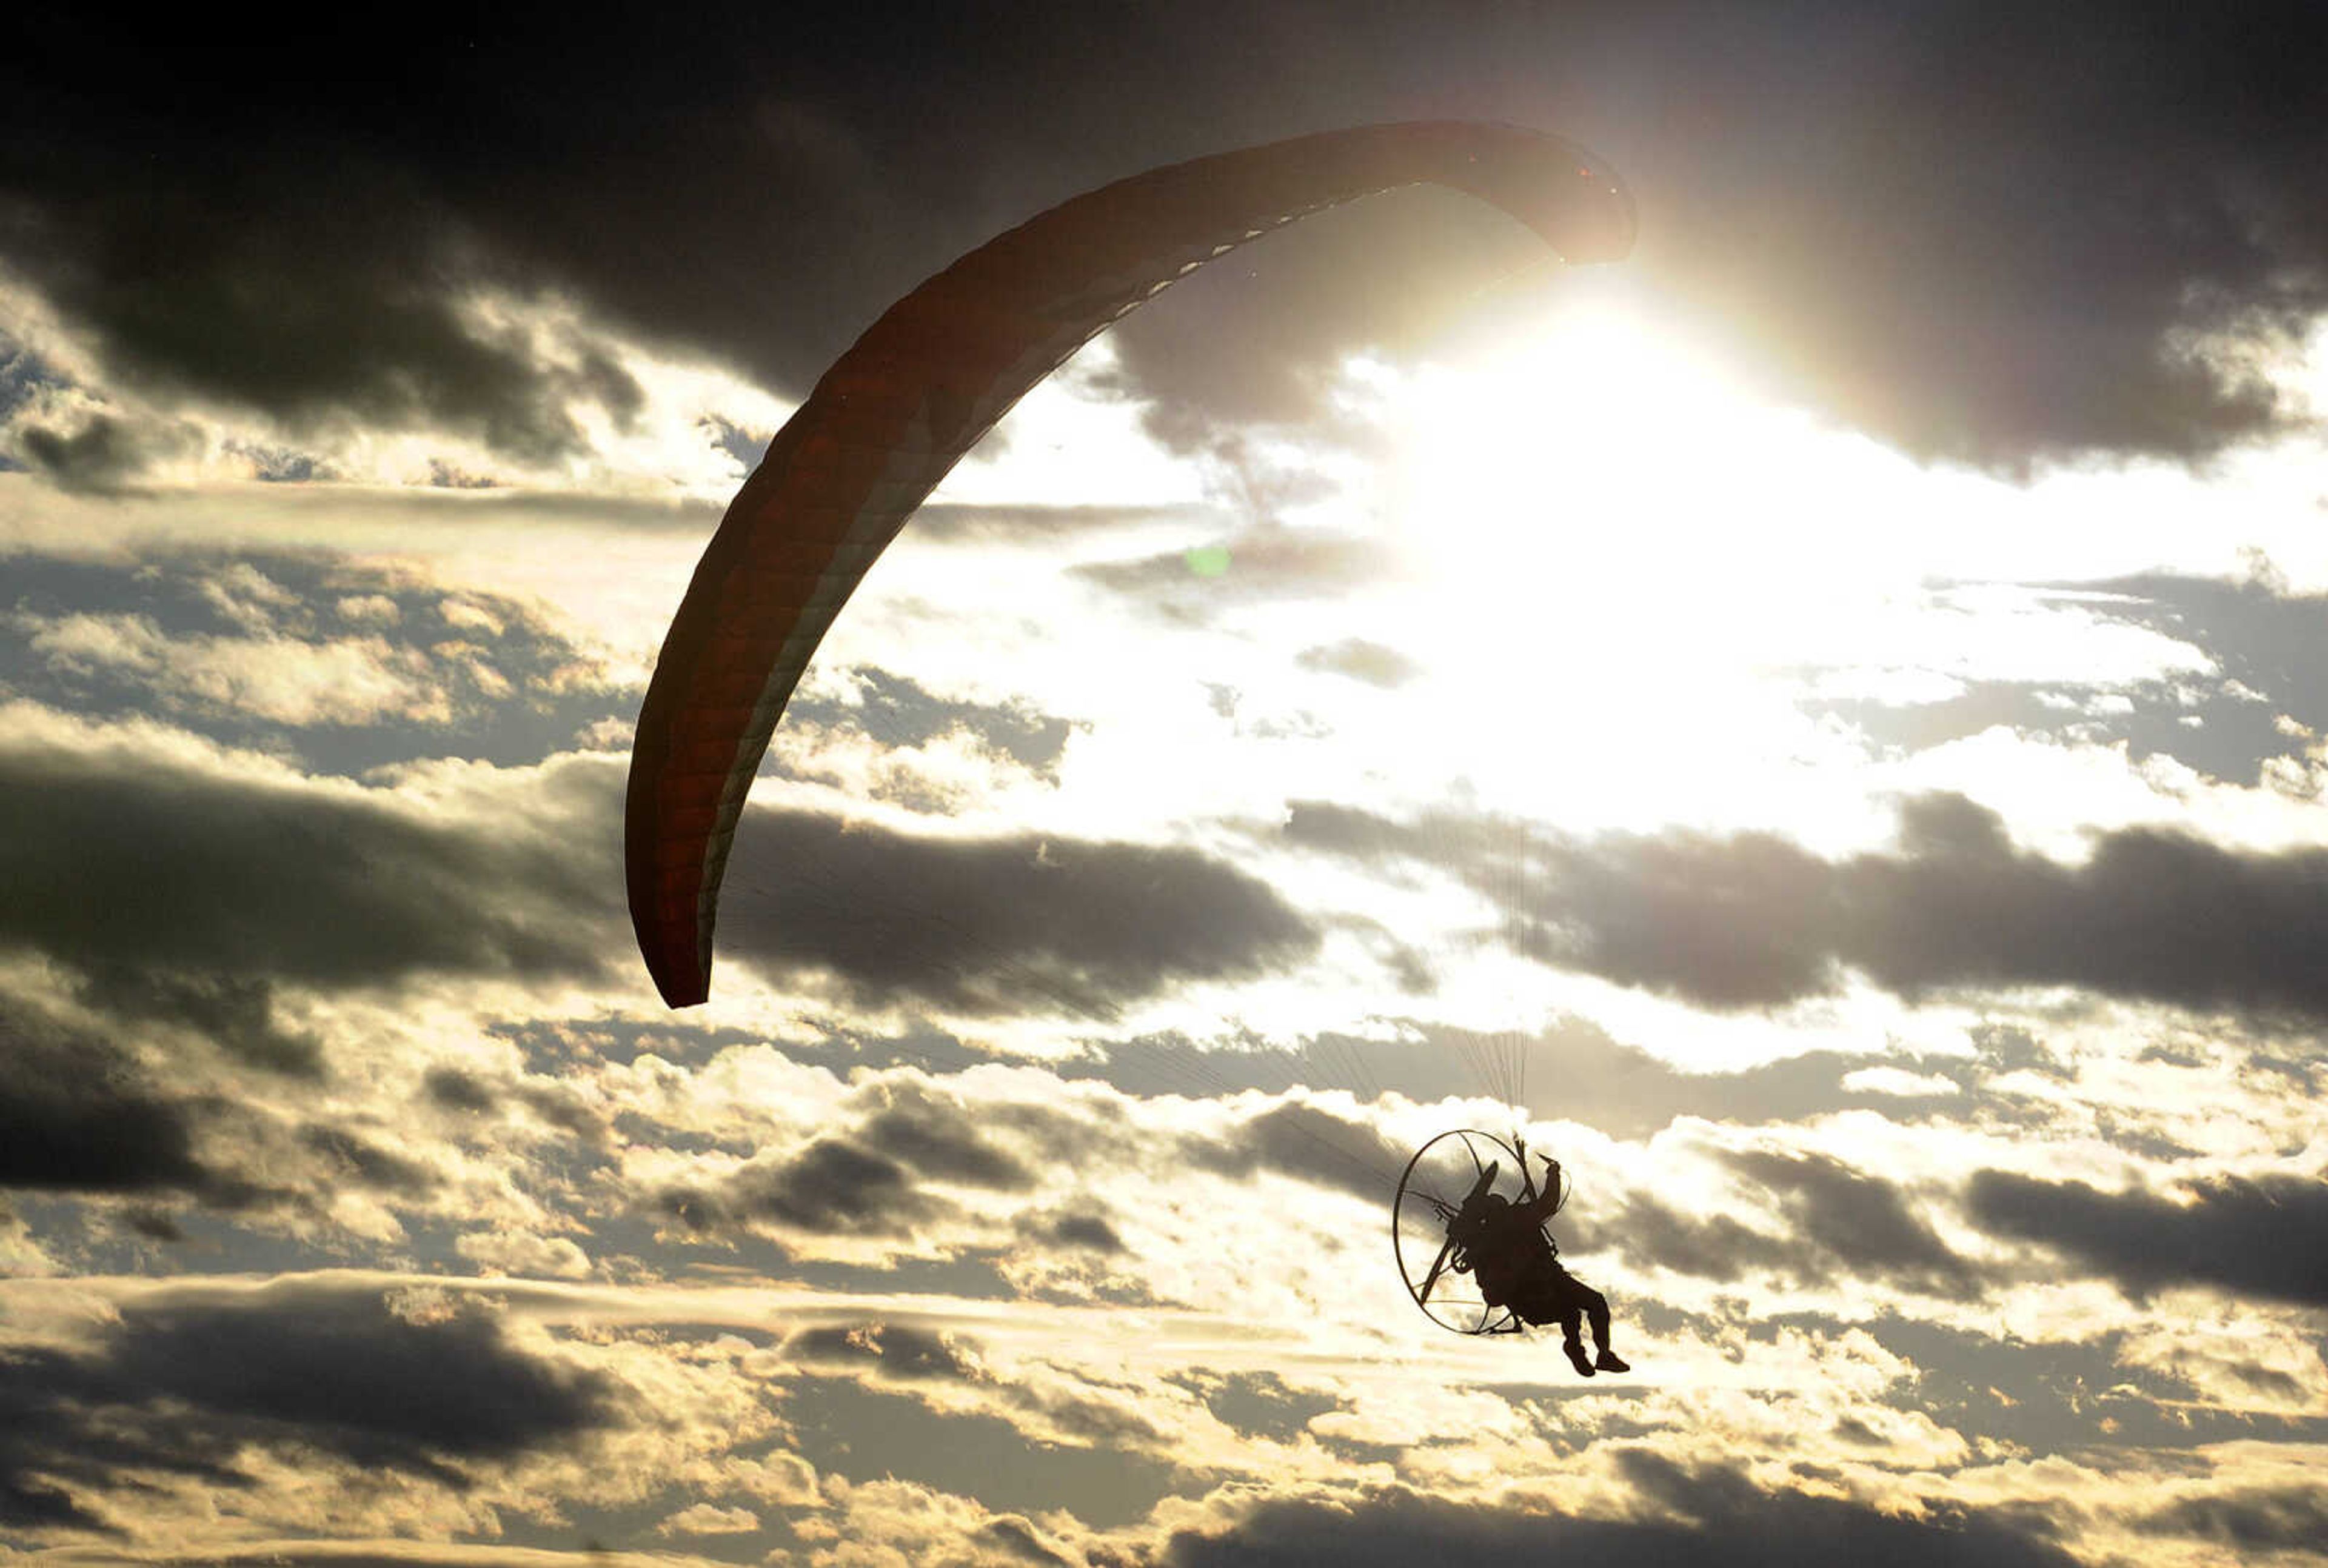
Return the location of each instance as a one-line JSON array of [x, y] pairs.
[[1604, 466], [1614, 544]]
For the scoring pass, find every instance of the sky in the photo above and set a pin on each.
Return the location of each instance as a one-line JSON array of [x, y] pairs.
[[1818, 726]]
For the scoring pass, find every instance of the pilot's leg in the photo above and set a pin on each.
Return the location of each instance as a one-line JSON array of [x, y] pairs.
[[1571, 1342], [1596, 1308]]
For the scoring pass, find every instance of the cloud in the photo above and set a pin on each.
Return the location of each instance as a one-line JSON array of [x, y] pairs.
[[894, 1351], [2249, 693], [350, 665], [900, 713], [132, 852], [1085, 1232], [2000, 237], [888, 740], [1576, 1071], [312, 308], [2248, 1519], [183, 1383], [1017, 1541], [1752, 920], [996, 925], [519, 1253], [829, 1187], [1712, 1517], [103, 456], [1716, 1246], [77, 1114], [1303, 1141], [458, 1091], [91, 1106], [709, 1519], [1355, 657], [866, 1171], [234, 1012], [1899, 281], [2264, 1237], [1860, 1222], [945, 1143]]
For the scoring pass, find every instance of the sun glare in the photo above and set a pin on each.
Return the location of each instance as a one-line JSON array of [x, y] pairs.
[[1603, 525], [1626, 494]]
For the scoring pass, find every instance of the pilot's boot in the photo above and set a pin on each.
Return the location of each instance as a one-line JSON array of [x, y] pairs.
[[1576, 1356], [1607, 1361]]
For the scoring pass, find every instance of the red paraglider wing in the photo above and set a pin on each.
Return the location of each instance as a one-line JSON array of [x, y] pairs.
[[896, 412]]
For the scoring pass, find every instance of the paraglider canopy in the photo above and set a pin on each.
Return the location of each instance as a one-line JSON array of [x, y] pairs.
[[894, 414]]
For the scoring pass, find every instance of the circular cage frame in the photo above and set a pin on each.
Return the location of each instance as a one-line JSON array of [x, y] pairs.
[[1420, 1217]]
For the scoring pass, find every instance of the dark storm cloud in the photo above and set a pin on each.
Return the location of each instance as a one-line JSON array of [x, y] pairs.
[[1753, 920], [183, 1384], [1981, 231], [81, 1112], [1081, 1232], [1978, 229], [944, 1141], [455, 1089], [829, 1187], [119, 861], [892, 1349], [1301, 1141], [77, 1114], [1715, 1246], [328, 297], [1710, 1519], [1837, 1224], [234, 1012], [101, 456], [360, 1162], [2266, 1237], [1862, 1223], [867, 1178], [2252, 1519], [996, 925]]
